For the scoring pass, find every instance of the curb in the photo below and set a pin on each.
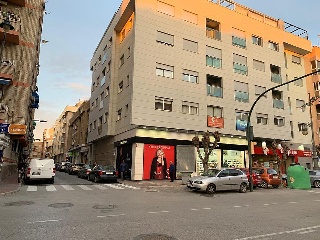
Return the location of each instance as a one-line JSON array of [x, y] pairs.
[[11, 192]]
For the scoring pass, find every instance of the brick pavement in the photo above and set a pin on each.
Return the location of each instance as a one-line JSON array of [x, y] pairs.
[[10, 185]]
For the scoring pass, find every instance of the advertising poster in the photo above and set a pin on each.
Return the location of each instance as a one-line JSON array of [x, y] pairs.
[[156, 161], [214, 160], [233, 158]]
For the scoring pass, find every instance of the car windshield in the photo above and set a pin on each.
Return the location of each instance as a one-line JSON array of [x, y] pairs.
[[107, 168], [211, 172], [272, 171]]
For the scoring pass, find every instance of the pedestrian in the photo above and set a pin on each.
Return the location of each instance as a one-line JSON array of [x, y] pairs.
[[122, 168], [171, 171]]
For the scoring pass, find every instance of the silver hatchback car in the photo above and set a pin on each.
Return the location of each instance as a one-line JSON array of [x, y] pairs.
[[220, 180]]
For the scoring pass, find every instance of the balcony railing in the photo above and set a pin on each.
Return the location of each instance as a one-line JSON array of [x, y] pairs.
[[241, 96], [213, 62], [276, 78], [240, 42], [214, 34], [278, 103], [240, 68], [214, 91], [7, 69], [12, 36]]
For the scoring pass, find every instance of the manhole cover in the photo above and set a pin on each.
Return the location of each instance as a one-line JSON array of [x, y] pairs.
[[20, 203], [104, 206], [60, 205], [153, 236]]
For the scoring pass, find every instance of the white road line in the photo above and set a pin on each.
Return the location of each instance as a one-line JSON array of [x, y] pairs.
[[115, 215], [310, 191], [32, 188], [266, 204], [101, 216], [153, 212], [100, 187], [237, 206], [67, 187], [45, 221], [306, 232], [194, 209], [164, 211], [128, 186], [51, 188], [84, 187], [113, 186], [206, 208], [317, 200], [293, 202]]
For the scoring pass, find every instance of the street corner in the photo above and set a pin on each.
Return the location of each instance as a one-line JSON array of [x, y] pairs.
[[9, 189]]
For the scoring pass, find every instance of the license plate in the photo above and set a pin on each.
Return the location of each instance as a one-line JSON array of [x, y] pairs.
[[36, 173], [275, 177]]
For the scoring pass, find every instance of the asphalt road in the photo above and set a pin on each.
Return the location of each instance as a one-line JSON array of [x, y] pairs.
[[74, 208]]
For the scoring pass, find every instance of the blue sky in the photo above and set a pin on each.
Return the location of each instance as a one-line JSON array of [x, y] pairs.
[[74, 28]]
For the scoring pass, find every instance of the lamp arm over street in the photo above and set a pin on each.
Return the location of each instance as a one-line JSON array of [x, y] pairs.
[[249, 131]]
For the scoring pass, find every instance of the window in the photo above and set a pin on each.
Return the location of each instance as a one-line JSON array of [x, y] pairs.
[[190, 45], [213, 57], [190, 108], [107, 91], [241, 120], [238, 38], [275, 74], [299, 103], [126, 110], [92, 106], [298, 82], [164, 70], [258, 65], [123, 34], [274, 46], [119, 114], [93, 86], [165, 8], [214, 86], [109, 66], [240, 64], [213, 29], [105, 56], [190, 76], [128, 80], [105, 117], [122, 60], [165, 38], [262, 118], [190, 17], [96, 102], [315, 66], [120, 87], [241, 91], [296, 59], [94, 125], [100, 121], [103, 79], [90, 128], [291, 129], [101, 100], [213, 111], [257, 40], [129, 52], [259, 90], [303, 127], [277, 99], [279, 121], [110, 42], [164, 104]]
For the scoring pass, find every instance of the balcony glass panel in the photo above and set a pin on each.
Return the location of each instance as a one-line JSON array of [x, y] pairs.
[[214, 91], [240, 42], [276, 78], [213, 62], [277, 103], [240, 68], [211, 33]]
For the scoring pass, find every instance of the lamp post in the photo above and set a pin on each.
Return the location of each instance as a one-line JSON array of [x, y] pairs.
[[6, 25], [249, 131]]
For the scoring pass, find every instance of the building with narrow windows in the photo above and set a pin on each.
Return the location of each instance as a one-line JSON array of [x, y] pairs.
[[165, 71], [20, 37]]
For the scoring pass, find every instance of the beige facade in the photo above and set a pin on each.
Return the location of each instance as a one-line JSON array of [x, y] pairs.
[[78, 132], [48, 135], [166, 70], [37, 150], [20, 46]]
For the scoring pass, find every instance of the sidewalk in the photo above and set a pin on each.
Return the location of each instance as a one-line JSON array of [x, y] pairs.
[[9, 185]]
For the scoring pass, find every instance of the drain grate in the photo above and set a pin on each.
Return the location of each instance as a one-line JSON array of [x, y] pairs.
[[61, 205], [153, 236], [19, 203]]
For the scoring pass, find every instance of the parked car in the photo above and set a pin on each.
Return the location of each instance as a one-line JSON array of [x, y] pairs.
[[256, 178], [62, 167], [103, 173], [84, 171], [74, 168], [315, 178], [58, 166], [40, 169], [269, 177], [219, 180], [67, 167]]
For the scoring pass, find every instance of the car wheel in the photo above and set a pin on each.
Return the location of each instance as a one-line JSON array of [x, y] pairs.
[[243, 188], [264, 184], [316, 184], [275, 186], [211, 188], [96, 179]]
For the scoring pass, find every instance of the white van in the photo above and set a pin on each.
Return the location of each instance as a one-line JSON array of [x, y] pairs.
[[40, 169]]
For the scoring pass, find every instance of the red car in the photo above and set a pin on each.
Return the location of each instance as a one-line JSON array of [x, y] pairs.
[[256, 177]]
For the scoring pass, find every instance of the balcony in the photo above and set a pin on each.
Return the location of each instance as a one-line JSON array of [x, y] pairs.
[[213, 62], [12, 36], [239, 42], [21, 3], [214, 91], [276, 78], [241, 96], [7, 69], [278, 103], [214, 34], [240, 68]]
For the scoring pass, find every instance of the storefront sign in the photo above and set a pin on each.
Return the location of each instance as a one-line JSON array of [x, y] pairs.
[[241, 125], [4, 127], [233, 158], [17, 129], [213, 162], [215, 122]]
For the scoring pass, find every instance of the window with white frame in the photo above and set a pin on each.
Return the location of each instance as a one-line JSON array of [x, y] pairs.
[[279, 121], [259, 90], [165, 38], [259, 65], [190, 17], [119, 112], [120, 87], [299, 103], [164, 104], [190, 76], [190, 108], [241, 91], [257, 40], [164, 70], [214, 111], [273, 46], [189, 45], [296, 59], [262, 118], [165, 8]]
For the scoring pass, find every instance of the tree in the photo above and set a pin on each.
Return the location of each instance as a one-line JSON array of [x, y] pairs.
[[207, 145], [281, 146]]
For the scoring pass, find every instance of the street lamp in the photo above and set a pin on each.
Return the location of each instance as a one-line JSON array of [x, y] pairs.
[[6, 25], [249, 132]]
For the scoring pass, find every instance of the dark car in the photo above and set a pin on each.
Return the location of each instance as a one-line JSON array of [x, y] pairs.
[[84, 171], [103, 173], [256, 178]]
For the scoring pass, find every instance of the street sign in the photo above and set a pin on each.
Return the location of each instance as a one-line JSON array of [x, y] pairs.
[[4, 127]]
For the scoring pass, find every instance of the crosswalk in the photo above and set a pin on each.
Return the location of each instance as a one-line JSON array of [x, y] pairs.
[[54, 188]]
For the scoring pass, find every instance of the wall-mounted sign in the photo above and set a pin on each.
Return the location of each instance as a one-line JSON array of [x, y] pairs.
[[17, 129], [4, 127], [215, 122], [241, 125]]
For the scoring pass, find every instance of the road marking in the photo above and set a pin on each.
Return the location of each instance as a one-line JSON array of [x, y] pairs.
[[32, 188], [115, 215], [293, 202], [317, 192], [266, 204], [206, 208], [164, 211], [51, 188], [237, 206], [310, 191], [306, 232], [44, 221], [279, 233], [100, 187], [67, 187], [128, 186], [84, 187], [101, 216], [317, 200], [153, 212], [113, 186], [194, 209]]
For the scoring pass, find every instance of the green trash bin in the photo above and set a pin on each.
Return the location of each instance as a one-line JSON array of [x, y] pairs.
[[298, 177]]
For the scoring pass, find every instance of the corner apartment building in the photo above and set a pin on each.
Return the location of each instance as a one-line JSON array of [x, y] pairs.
[[20, 36], [78, 132], [167, 70], [61, 134]]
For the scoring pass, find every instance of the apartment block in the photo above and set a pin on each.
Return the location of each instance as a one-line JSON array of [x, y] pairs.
[[20, 35], [48, 135], [165, 71]]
